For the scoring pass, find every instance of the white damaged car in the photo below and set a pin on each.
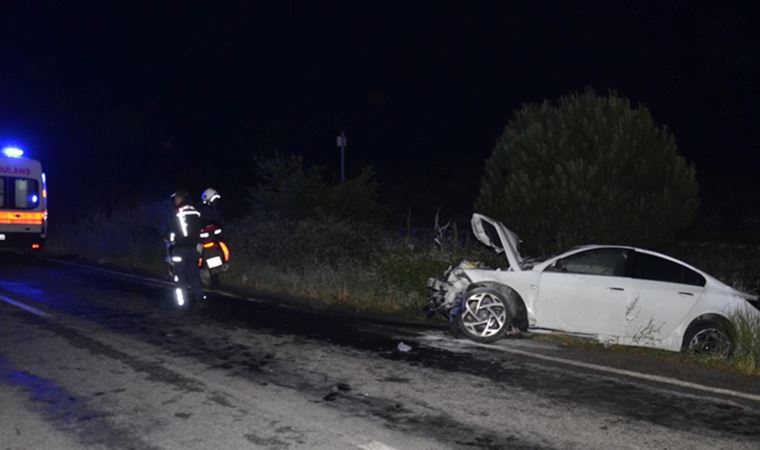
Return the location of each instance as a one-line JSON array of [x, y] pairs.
[[615, 294]]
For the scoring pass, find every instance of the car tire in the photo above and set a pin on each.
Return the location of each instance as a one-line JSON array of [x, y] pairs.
[[486, 315], [711, 338]]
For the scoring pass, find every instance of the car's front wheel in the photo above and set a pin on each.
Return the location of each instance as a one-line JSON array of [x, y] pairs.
[[708, 338], [485, 315]]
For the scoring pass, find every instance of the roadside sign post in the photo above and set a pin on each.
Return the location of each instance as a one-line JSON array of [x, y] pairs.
[[342, 144]]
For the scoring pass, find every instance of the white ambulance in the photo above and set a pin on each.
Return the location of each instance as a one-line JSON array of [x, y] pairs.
[[23, 201]]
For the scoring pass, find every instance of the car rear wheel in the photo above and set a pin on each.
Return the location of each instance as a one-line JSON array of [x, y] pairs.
[[485, 315], [708, 338]]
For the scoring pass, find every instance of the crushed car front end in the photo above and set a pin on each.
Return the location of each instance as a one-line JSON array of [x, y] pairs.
[[447, 292]]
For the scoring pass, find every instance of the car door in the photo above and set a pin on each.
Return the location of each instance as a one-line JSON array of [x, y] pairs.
[[667, 291], [585, 292]]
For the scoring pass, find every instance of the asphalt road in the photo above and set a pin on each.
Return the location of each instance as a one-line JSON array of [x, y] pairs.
[[95, 360]]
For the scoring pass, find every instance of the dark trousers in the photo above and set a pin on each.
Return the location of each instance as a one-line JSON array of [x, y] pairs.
[[187, 271]]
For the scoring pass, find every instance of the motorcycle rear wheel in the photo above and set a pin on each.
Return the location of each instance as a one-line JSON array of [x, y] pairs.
[[208, 279]]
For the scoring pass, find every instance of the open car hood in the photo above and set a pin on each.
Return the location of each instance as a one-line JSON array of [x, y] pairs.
[[495, 235]]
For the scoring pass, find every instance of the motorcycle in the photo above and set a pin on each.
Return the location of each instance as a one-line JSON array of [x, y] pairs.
[[213, 259], [215, 255]]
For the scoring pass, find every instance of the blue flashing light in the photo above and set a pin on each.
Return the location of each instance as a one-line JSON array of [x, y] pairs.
[[13, 152], [34, 198]]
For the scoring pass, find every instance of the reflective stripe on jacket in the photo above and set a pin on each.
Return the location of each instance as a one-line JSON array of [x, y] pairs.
[[186, 227]]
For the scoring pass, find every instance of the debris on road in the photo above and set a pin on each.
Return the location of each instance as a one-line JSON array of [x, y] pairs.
[[403, 347]]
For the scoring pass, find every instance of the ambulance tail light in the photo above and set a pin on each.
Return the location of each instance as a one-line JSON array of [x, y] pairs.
[[44, 185]]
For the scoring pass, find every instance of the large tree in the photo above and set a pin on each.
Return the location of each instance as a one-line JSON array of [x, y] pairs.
[[588, 169]]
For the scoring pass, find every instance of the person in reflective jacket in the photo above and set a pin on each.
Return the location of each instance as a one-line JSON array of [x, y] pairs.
[[185, 236]]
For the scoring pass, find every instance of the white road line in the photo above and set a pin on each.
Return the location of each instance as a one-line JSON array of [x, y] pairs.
[[623, 372], [110, 272], [23, 306], [375, 445], [135, 277], [142, 278]]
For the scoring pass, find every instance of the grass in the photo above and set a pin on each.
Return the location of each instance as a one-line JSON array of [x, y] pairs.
[[389, 279], [744, 360], [745, 333]]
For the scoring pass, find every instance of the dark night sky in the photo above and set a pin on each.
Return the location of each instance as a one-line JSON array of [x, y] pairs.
[[159, 93]]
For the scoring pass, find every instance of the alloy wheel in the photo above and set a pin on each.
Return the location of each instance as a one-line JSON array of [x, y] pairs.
[[710, 341], [484, 314]]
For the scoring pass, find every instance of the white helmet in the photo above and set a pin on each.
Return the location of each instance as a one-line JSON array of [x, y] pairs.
[[209, 196]]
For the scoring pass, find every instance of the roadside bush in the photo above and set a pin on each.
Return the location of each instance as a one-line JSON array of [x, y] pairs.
[[337, 261], [588, 168], [290, 191], [324, 238]]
